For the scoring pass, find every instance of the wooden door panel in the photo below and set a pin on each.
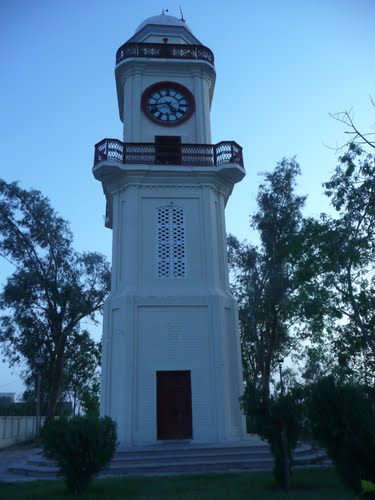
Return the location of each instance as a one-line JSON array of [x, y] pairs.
[[174, 414]]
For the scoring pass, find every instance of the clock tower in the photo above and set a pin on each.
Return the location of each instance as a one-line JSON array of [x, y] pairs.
[[171, 366]]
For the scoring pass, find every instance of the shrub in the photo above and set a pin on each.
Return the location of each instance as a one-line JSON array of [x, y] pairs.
[[283, 432], [342, 420], [81, 446], [279, 422]]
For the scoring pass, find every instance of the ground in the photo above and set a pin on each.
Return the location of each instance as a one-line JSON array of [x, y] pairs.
[[306, 485], [309, 483]]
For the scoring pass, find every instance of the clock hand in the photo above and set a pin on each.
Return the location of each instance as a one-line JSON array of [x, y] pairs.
[[163, 104], [167, 106], [172, 108]]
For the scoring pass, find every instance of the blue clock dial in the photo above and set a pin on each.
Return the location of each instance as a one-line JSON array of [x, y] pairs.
[[168, 103]]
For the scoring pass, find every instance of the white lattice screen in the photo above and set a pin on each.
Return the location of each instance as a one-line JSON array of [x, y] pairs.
[[171, 243]]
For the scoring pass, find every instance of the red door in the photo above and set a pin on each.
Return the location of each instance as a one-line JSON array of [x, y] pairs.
[[174, 416]]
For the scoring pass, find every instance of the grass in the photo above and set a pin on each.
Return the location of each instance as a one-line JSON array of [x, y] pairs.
[[306, 484]]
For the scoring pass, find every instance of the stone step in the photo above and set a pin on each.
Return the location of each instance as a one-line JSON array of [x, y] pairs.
[[193, 452], [212, 456], [164, 449], [124, 457], [187, 468], [33, 471], [176, 462]]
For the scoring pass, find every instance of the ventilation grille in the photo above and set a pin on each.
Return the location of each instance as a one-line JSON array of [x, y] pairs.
[[171, 243]]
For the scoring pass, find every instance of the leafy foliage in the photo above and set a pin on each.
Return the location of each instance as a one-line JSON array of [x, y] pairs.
[[52, 289], [279, 422], [81, 446], [341, 251], [342, 419], [19, 409], [90, 400], [368, 490], [81, 373], [265, 281]]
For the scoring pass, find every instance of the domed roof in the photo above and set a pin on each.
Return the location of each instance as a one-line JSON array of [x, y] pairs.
[[163, 19]]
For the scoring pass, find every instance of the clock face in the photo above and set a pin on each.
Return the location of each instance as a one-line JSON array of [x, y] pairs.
[[168, 103]]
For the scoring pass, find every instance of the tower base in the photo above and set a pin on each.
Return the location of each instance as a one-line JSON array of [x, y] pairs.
[[171, 370]]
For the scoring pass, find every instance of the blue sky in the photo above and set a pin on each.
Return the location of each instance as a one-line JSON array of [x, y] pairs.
[[282, 67]]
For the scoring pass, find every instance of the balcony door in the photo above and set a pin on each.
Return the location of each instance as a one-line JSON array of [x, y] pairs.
[[173, 400], [168, 149]]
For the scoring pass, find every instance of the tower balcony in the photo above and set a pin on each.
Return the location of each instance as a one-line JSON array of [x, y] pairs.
[[150, 153], [164, 51], [113, 157]]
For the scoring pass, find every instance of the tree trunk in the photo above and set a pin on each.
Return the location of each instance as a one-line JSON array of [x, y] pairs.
[[357, 317], [286, 464], [56, 378], [266, 380], [273, 334]]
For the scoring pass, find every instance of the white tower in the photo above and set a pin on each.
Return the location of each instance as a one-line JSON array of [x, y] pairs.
[[171, 358]]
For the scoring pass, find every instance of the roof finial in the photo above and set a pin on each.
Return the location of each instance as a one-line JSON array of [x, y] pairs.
[[182, 16], [163, 11]]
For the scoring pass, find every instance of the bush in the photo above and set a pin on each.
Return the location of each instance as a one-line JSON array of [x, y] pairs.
[[342, 420], [283, 431], [279, 422], [81, 446]]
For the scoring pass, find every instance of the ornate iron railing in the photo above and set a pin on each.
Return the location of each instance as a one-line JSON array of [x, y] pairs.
[[164, 50], [209, 155]]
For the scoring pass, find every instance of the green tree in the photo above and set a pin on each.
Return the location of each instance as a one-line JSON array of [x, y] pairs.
[[265, 280], [81, 373], [90, 400], [80, 378], [52, 288], [337, 269], [341, 251]]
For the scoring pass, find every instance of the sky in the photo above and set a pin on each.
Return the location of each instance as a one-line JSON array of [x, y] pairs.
[[282, 68]]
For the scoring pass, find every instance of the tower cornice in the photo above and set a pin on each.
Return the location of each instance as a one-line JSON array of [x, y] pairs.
[[116, 178]]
